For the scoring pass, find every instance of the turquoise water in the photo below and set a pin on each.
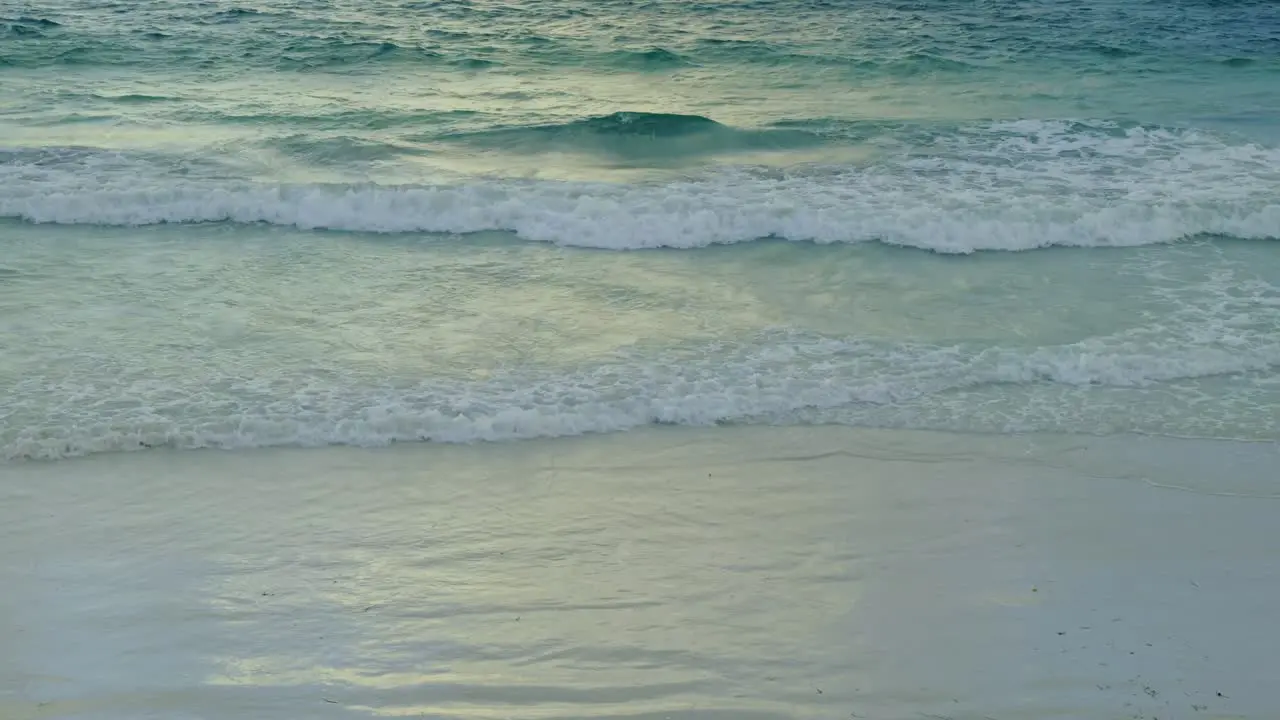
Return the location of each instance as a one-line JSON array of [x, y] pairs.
[[233, 224]]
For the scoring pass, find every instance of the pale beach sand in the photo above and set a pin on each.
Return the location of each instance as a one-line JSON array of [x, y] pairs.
[[718, 573]]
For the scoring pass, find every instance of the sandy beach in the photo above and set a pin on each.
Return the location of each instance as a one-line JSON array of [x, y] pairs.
[[718, 573]]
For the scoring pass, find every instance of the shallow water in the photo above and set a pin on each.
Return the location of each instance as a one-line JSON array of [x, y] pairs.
[[235, 337]]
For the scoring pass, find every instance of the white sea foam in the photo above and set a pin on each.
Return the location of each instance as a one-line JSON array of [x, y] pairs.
[[1010, 186], [778, 379]]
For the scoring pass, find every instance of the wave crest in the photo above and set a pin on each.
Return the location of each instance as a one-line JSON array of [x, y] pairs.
[[635, 136], [1011, 186]]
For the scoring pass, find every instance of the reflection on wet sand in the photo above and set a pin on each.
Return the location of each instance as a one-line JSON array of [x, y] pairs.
[[732, 572]]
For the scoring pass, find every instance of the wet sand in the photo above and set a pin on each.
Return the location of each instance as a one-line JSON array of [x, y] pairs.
[[668, 573]]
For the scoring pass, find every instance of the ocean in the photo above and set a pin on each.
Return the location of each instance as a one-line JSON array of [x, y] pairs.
[[238, 238]]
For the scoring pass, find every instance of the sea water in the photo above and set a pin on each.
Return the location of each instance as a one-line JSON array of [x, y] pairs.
[[1008, 240], [230, 224]]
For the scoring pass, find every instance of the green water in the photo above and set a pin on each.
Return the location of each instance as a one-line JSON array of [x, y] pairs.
[[235, 225]]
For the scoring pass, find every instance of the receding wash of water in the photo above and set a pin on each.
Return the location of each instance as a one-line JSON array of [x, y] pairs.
[[541, 245]]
